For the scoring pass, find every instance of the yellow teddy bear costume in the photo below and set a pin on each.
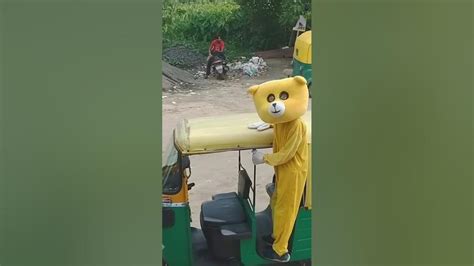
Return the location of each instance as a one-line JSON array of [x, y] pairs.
[[281, 103]]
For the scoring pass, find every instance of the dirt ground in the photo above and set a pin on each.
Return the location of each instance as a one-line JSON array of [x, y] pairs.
[[217, 173]]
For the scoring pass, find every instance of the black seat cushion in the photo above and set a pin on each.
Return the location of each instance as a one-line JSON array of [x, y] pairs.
[[236, 231], [222, 212], [224, 196]]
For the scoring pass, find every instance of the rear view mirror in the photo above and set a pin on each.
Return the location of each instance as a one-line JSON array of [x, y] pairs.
[[186, 166], [187, 172]]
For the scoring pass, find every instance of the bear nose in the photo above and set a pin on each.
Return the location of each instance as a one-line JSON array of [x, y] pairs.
[[274, 104]]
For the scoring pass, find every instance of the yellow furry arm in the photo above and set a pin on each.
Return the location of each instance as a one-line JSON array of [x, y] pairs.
[[289, 149]]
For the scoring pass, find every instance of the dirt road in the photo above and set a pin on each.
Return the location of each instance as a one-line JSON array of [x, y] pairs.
[[217, 173]]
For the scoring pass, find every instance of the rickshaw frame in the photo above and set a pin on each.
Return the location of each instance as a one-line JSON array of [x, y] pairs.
[[182, 254]]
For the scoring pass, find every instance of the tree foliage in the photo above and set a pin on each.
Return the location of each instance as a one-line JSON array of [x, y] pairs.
[[244, 24]]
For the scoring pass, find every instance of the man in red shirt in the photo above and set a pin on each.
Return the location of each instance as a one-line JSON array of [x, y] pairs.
[[216, 49]]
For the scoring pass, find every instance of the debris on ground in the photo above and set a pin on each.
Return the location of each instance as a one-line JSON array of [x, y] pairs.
[[183, 66], [200, 74], [253, 67], [288, 72]]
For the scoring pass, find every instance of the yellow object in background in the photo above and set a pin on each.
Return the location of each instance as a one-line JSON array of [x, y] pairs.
[[302, 51]]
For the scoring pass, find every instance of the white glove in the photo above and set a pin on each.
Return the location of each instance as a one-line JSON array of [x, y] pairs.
[[255, 125], [260, 126], [257, 157], [264, 126]]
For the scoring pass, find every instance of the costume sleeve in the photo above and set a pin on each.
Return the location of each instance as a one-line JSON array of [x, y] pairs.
[[288, 151]]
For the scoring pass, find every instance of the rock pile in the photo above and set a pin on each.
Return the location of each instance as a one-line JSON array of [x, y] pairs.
[[183, 57]]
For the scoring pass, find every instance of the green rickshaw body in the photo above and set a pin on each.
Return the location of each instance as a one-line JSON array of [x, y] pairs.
[[179, 250], [207, 135], [302, 69], [301, 249]]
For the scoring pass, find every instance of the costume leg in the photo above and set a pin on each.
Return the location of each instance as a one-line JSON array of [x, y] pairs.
[[289, 191]]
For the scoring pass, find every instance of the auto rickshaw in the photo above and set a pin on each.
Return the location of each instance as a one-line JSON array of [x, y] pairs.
[[302, 57], [231, 228]]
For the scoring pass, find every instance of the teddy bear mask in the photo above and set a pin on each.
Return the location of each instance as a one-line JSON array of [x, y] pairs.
[[280, 101]]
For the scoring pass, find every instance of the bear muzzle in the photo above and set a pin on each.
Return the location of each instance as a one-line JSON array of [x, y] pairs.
[[276, 109]]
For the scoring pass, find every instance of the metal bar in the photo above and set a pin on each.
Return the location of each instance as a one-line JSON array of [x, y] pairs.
[[239, 161], [254, 185], [250, 204]]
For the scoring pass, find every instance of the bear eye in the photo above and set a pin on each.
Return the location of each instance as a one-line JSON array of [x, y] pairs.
[[271, 98], [284, 95]]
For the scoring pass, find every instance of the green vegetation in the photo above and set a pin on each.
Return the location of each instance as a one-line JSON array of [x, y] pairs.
[[245, 25]]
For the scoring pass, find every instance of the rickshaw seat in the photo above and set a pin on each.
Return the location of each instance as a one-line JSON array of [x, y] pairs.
[[224, 224], [236, 231], [222, 212], [224, 196]]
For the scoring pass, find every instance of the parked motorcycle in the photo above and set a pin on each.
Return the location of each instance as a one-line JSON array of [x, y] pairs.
[[219, 67]]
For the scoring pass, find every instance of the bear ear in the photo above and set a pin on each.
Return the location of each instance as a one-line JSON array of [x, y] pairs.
[[300, 80], [252, 89]]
